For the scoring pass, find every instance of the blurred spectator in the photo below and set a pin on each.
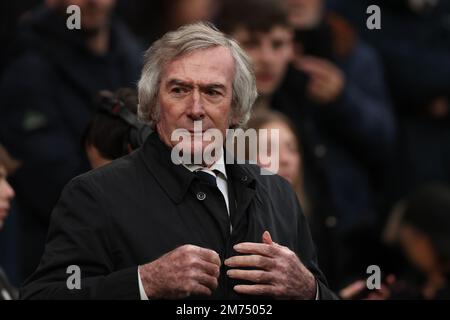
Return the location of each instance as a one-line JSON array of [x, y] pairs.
[[263, 31], [414, 43], [46, 93], [335, 95], [7, 166], [149, 20], [420, 224], [10, 14], [290, 160], [114, 130]]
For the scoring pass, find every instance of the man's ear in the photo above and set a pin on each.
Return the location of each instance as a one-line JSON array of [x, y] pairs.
[[153, 114]]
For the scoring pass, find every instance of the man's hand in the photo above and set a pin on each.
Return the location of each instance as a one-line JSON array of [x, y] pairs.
[[358, 290], [187, 270], [278, 271], [327, 80]]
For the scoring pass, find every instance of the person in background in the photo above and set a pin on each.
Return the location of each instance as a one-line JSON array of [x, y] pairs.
[[263, 30], [149, 20], [108, 136], [46, 92], [7, 166], [316, 71], [290, 159], [420, 226], [414, 44]]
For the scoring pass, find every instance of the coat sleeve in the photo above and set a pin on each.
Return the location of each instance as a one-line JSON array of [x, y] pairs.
[[79, 236], [305, 248]]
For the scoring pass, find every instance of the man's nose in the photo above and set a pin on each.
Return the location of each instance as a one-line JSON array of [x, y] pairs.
[[196, 110], [267, 54], [8, 191]]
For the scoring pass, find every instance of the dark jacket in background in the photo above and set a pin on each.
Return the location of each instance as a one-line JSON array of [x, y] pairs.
[[46, 93], [346, 146], [415, 50], [110, 220]]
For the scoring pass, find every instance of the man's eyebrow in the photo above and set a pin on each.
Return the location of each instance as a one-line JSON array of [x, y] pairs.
[[213, 86], [178, 82]]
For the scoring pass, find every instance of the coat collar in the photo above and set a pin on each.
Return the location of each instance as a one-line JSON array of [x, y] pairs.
[[175, 179]]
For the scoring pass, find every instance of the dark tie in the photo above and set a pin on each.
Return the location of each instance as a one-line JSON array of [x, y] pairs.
[[206, 177]]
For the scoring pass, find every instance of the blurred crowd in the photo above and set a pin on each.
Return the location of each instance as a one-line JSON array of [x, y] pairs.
[[363, 118]]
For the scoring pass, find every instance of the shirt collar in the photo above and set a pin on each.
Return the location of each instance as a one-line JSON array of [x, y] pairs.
[[219, 165], [175, 179]]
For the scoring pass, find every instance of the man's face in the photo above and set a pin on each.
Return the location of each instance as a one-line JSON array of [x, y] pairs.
[[270, 53], [6, 195], [196, 86]]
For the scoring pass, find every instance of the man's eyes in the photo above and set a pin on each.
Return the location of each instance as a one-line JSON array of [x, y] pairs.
[[185, 90], [212, 92], [179, 90], [277, 44]]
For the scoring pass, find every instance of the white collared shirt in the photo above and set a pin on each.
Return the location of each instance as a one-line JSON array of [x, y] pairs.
[[221, 178]]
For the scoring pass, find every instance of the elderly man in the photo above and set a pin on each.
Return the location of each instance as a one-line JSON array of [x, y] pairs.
[[146, 227]]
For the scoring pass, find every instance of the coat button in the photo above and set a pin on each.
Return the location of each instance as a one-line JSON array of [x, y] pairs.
[[201, 196], [244, 178]]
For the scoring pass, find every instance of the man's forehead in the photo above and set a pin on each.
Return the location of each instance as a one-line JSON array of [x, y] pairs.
[[212, 65]]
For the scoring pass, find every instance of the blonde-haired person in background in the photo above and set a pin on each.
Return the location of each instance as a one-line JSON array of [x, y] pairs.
[[290, 158]]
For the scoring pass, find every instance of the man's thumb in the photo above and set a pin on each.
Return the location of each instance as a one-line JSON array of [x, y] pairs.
[[266, 238]]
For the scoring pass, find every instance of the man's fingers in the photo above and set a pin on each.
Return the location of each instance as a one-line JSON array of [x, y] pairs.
[[315, 69], [200, 289], [256, 289], [206, 254], [255, 248], [209, 268], [319, 65], [257, 276], [353, 289], [255, 261], [266, 238], [207, 280]]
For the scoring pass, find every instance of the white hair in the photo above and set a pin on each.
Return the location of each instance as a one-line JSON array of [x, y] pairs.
[[182, 41]]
